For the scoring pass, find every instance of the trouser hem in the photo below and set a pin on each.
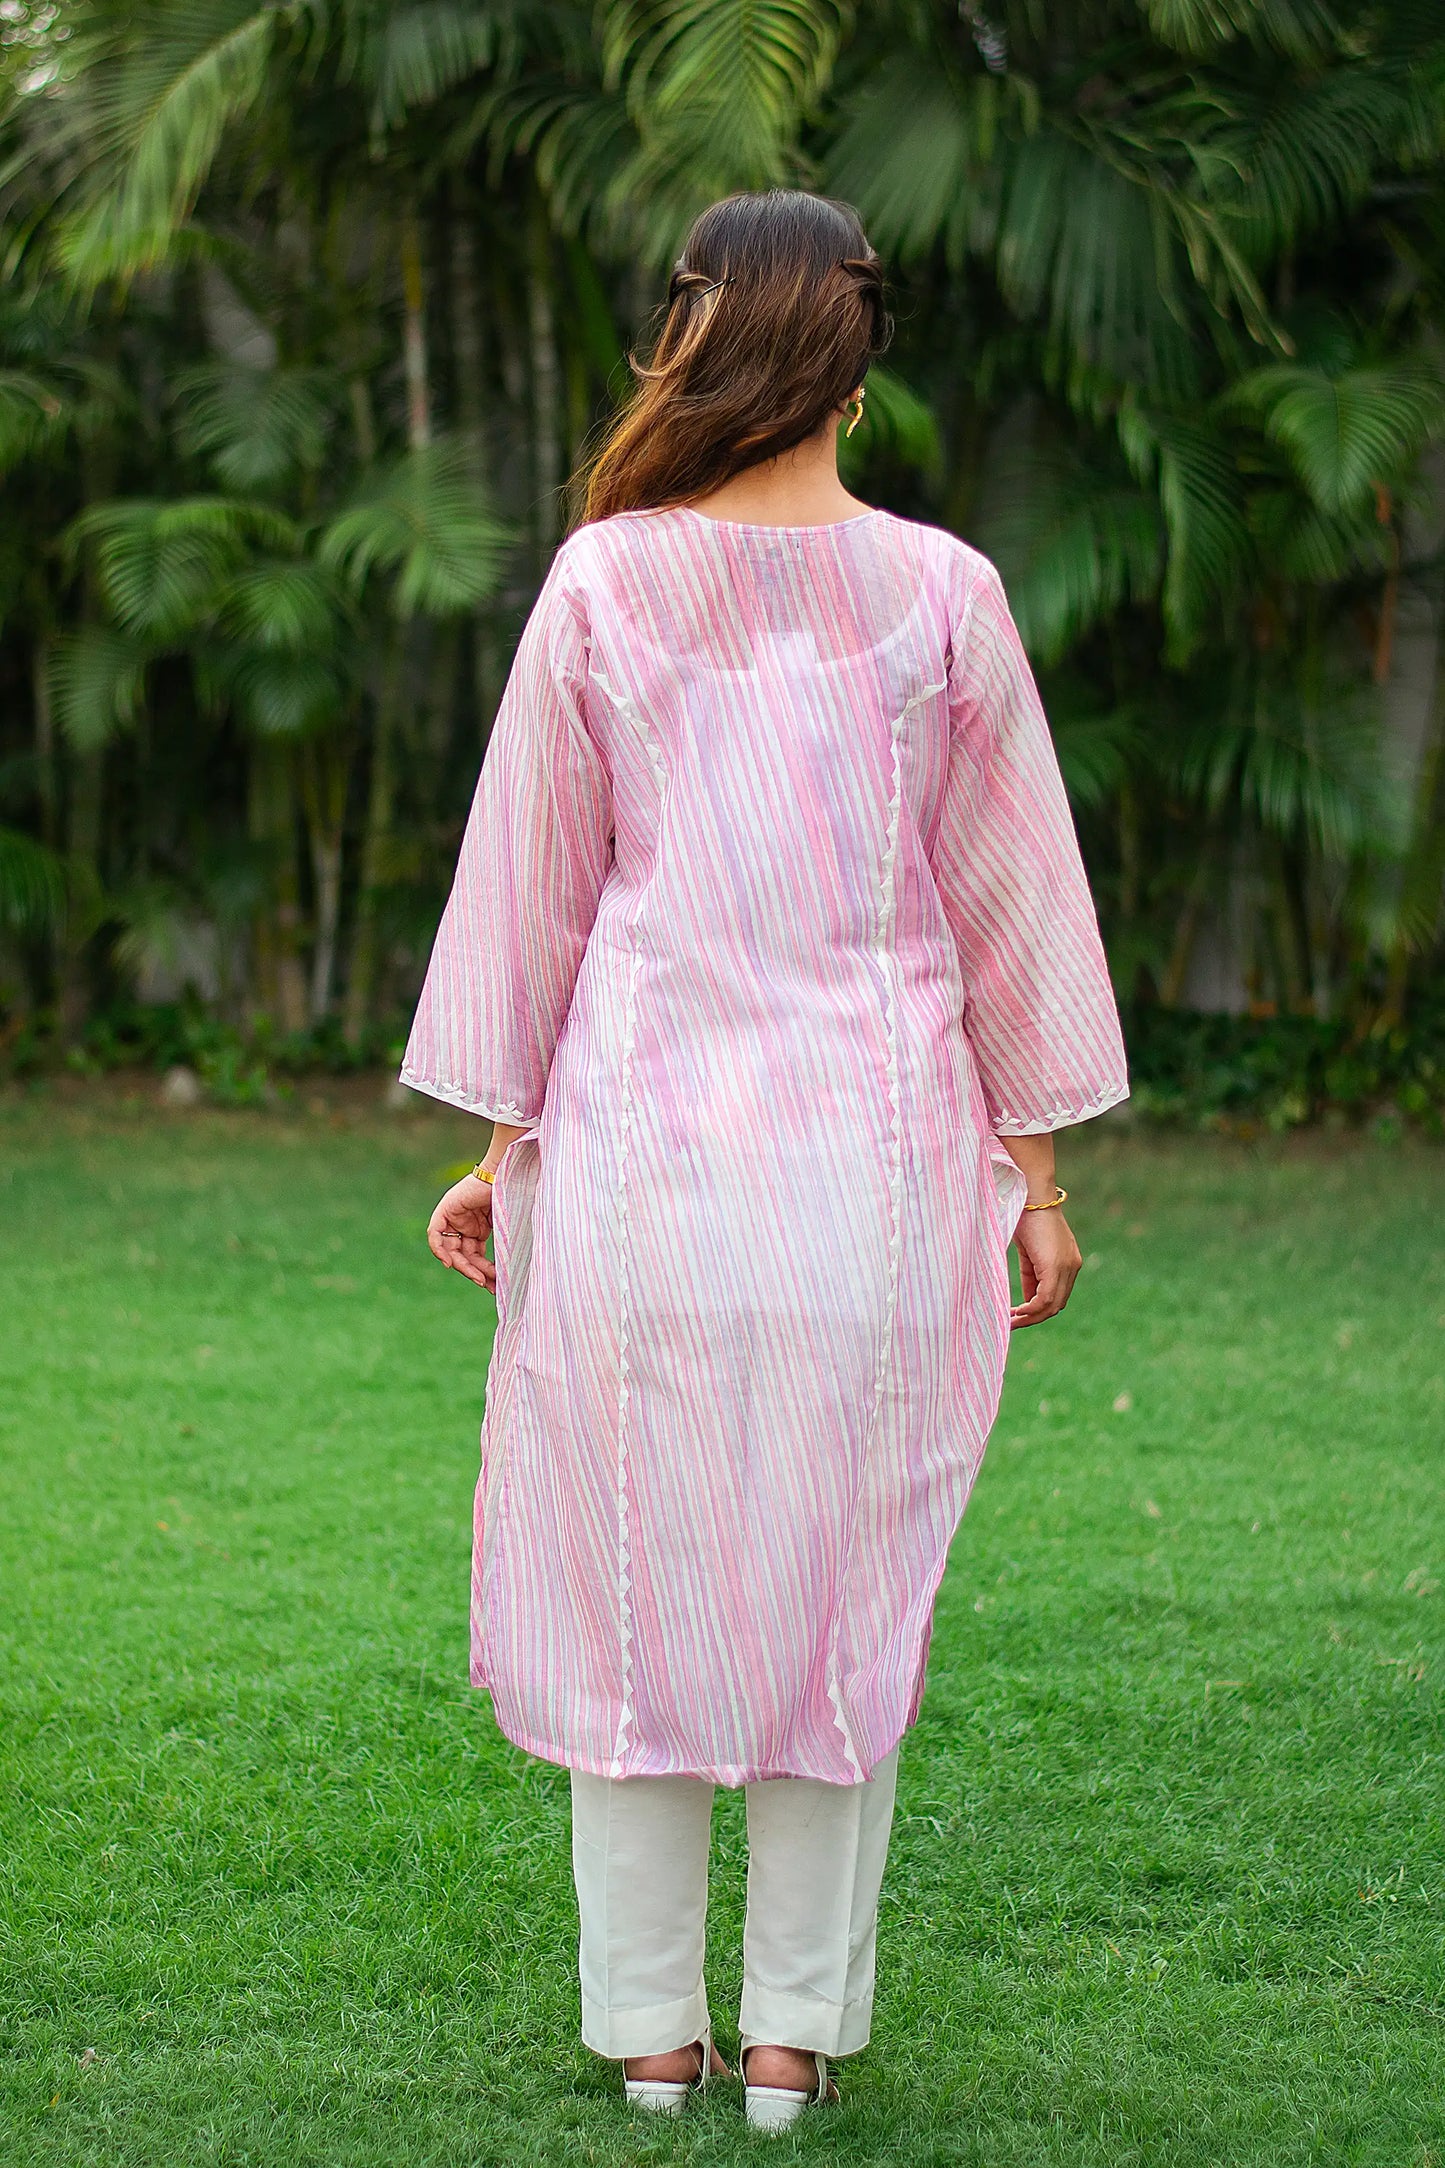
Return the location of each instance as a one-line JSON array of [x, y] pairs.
[[773, 2019], [656, 2030]]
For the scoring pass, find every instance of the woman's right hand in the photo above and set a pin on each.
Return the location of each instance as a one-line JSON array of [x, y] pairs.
[[1049, 1264], [459, 1230]]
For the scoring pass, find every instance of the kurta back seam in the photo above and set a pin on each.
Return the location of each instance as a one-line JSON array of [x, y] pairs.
[[884, 954], [624, 1551], [627, 1676]]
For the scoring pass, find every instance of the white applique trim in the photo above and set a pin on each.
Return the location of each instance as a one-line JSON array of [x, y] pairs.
[[1040, 1125], [457, 1095]]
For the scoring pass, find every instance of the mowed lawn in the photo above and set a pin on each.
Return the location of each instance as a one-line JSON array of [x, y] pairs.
[[1168, 1883]]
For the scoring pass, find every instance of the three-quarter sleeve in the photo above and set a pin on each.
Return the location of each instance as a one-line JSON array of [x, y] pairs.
[[536, 851], [1039, 1008]]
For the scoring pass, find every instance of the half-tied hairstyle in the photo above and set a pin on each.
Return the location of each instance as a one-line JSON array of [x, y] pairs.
[[773, 313]]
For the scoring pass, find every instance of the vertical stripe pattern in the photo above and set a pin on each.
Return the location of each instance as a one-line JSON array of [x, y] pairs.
[[769, 922]]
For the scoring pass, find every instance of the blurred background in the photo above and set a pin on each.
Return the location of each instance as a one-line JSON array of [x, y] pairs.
[[309, 310]]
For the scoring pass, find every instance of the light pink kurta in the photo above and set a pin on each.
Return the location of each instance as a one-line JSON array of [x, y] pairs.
[[769, 919]]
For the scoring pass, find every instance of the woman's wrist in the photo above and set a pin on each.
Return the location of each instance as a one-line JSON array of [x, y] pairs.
[[502, 1135], [1034, 1158]]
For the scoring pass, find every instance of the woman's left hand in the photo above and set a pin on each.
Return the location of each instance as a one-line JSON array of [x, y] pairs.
[[459, 1230], [1049, 1263]]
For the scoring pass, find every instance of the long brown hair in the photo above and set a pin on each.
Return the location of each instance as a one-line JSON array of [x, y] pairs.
[[773, 313]]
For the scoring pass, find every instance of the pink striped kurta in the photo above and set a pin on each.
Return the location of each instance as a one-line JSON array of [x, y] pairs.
[[769, 921]]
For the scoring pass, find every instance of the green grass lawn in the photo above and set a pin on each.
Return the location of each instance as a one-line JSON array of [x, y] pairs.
[[1167, 1881]]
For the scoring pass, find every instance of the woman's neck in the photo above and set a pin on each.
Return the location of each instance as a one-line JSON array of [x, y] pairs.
[[799, 488]]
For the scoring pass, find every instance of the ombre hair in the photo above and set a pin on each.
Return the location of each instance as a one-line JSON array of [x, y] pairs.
[[774, 311]]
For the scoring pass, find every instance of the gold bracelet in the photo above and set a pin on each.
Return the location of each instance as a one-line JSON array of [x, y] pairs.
[[483, 1174], [1054, 1202]]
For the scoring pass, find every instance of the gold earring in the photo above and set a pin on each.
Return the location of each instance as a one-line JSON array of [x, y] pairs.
[[856, 414]]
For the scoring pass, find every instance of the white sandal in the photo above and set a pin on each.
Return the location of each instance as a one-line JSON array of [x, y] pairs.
[[669, 2096], [777, 2107]]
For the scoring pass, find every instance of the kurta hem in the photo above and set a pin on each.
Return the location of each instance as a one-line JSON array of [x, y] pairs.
[[732, 1777]]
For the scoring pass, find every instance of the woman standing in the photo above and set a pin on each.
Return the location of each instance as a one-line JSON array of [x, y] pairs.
[[771, 959]]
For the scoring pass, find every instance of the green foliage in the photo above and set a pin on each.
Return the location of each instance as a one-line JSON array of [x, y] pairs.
[[720, 85], [1347, 436], [161, 563], [427, 521], [256, 426], [312, 309], [164, 85], [97, 676], [32, 884], [1248, 1075]]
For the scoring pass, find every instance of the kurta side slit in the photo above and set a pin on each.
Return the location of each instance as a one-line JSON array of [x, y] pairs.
[[769, 922]]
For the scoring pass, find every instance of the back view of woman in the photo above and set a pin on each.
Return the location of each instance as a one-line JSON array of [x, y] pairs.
[[771, 959]]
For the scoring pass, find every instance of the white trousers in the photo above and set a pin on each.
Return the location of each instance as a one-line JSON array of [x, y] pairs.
[[815, 1864]]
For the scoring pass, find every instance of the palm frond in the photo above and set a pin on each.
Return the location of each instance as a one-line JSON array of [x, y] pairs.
[[428, 523], [1097, 749], [284, 607], [97, 677], [278, 693], [412, 56], [1346, 435], [1091, 248], [162, 564], [1201, 495], [1302, 29], [31, 412], [1299, 767], [1299, 542], [32, 884], [1072, 538], [160, 105], [917, 153], [730, 78], [1297, 159], [257, 427], [585, 150]]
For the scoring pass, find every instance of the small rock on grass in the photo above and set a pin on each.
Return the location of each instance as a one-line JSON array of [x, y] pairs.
[[180, 1087]]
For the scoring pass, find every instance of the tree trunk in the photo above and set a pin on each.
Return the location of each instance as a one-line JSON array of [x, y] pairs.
[[324, 783], [280, 988], [84, 807], [1186, 931], [44, 714], [467, 352], [380, 802], [469, 356], [85, 795], [1130, 856], [381, 790], [418, 388], [1413, 697], [546, 379]]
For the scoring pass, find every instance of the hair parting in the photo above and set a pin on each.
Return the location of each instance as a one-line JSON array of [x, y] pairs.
[[774, 310]]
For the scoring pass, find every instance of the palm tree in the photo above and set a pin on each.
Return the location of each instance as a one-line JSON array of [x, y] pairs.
[[345, 291]]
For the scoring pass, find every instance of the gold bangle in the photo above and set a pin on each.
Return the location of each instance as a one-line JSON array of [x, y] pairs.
[[483, 1174], [1054, 1202]]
